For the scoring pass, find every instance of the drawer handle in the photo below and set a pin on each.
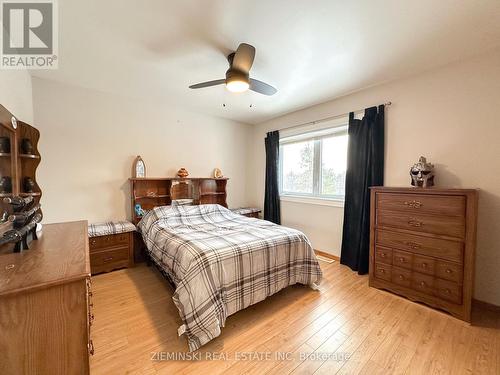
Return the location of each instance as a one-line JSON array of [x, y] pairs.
[[382, 271], [382, 255], [91, 347], [401, 260], [415, 223], [401, 277], [448, 271], [424, 265], [413, 245], [107, 260], [413, 204], [447, 291], [93, 242], [423, 284]]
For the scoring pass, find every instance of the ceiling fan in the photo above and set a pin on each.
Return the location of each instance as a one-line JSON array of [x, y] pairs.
[[237, 76]]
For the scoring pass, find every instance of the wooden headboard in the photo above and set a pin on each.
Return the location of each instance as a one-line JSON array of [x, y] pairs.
[[154, 192]]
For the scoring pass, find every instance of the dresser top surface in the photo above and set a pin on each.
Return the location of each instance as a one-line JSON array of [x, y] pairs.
[[420, 190], [60, 255]]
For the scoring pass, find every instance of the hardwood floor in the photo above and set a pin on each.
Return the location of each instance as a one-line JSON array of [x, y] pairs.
[[346, 328]]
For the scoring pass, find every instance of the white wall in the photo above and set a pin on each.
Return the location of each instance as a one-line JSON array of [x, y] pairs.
[[89, 140], [451, 116], [16, 94]]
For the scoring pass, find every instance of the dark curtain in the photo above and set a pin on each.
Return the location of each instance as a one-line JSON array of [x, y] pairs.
[[272, 211], [365, 168]]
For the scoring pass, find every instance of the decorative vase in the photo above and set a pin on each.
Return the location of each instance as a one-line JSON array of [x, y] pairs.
[[28, 185], [26, 146], [218, 173], [182, 173], [5, 145], [5, 185]]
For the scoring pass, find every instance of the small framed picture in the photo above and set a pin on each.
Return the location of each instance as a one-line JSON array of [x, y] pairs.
[[139, 168]]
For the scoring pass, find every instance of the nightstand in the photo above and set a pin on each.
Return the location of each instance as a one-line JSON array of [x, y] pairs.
[[111, 246], [247, 211]]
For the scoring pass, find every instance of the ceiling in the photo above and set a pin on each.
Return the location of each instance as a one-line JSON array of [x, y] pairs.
[[312, 51]]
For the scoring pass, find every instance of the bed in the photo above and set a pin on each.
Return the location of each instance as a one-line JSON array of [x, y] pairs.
[[221, 262]]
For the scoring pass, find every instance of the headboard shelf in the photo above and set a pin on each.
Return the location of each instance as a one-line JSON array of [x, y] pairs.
[[151, 192]]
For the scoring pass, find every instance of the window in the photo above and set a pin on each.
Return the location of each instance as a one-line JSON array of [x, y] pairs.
[[313, 164]]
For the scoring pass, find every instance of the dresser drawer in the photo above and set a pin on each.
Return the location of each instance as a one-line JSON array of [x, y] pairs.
[[452, 226], [383, 271], [401, 276], [449, 271], [103, 242], [108, 260], [448, 250], [402, 259], [448, 290], [383, 255], [423, 264], [422, 283], [419, 203]]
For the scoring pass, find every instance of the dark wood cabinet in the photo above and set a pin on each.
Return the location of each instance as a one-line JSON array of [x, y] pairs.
[[111, 252], [422, 245]]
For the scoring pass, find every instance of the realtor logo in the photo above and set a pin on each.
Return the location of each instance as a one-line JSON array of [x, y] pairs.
[[29, 34]]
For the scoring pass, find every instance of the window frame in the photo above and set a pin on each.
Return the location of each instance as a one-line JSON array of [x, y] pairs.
[[316, 197]]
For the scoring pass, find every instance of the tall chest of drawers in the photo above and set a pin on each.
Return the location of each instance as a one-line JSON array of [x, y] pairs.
[[422, 245]]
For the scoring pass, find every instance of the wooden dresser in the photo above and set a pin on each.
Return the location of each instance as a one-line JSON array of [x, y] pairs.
[[45, 312], [422, 245]]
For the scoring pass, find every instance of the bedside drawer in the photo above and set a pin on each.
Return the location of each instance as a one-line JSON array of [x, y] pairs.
[[423, 283], [383, 271], [449, 290], [401, 259], [449, 271], [419, 203], [112, 240], [107, 260], [401, 277], [449, 250], [452, 226], [383, 255], [423, 264]]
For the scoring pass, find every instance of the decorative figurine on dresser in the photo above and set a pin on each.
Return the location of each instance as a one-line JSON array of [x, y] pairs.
[[422, 245], [422, 173], [19, 192]]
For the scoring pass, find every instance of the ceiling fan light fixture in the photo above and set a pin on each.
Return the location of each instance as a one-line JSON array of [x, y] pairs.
[[237, 85]]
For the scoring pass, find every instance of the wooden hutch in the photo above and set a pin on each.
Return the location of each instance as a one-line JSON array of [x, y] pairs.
[[153, 192], [19, 159], [16, 164]]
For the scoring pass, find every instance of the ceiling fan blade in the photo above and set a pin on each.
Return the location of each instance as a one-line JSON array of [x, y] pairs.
[[208, 84], [262, 87], [243, 58]]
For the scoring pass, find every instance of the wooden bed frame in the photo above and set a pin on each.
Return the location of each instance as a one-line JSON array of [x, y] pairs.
[[161, 191]]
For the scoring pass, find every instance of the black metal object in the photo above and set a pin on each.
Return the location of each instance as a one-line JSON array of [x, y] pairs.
[[26, 215]]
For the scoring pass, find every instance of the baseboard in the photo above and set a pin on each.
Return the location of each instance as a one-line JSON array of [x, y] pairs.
[[485, 305], [327, 255]]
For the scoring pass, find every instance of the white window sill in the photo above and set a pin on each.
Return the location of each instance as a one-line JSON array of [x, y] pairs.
[[313, 200]]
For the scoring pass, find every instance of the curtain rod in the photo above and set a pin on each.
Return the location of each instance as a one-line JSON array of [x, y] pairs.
[[326, 119]]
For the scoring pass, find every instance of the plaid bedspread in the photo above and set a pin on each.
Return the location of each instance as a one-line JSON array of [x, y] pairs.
[[222, 262]]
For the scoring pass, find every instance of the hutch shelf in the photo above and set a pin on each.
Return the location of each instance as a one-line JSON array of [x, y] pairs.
[[153, 192]]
